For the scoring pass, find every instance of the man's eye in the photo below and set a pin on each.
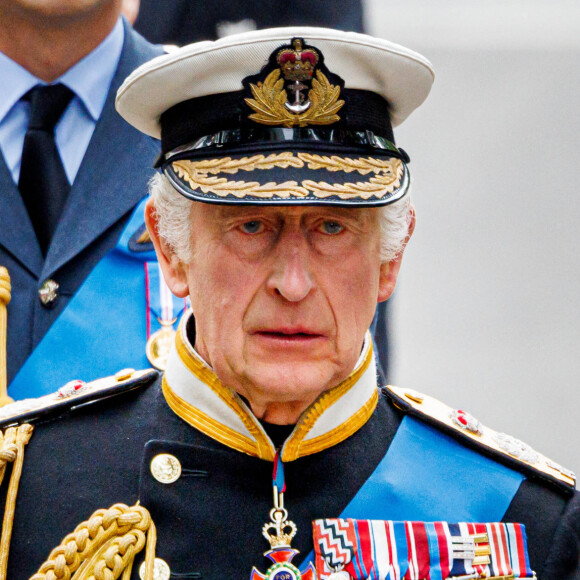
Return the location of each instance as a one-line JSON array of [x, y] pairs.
[[331, 228], [253, 227]]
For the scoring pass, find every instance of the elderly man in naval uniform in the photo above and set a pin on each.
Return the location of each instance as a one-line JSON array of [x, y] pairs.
[[267, 450]]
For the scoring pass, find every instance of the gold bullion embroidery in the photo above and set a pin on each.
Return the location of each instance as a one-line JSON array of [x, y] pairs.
[[196, 174], [270, 97], [387, 175], [229, 165]]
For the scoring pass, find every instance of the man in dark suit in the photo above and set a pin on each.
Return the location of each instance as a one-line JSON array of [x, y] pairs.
[[183, 21], [86, 47]]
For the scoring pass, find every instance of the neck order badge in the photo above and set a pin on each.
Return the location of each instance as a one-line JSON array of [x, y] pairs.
[[163, 311], [279, 532]]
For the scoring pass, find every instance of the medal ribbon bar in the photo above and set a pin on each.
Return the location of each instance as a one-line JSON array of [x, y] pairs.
[[418, 550]]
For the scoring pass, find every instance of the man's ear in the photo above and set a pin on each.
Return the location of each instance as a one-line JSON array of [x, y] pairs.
[[390, 270], [174, 270]]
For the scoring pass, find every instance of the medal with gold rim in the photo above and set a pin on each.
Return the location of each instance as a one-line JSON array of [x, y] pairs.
[[165, 308], [279, 531], [159, 344]]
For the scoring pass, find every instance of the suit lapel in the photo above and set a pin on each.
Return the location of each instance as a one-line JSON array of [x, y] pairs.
[[16, 231], [112, 177]]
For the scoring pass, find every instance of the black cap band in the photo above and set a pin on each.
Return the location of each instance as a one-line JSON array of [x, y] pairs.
[[191, 120]]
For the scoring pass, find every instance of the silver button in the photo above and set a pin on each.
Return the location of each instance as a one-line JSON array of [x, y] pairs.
[[165, 468], [161, 570], [48, 293]]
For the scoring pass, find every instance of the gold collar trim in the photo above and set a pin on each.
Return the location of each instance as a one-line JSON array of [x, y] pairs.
[[194, 393]]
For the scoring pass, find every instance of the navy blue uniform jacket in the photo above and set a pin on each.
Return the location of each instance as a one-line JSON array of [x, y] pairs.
[[209, 522]]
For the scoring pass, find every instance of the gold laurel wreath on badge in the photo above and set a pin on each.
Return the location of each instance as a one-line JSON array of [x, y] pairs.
[[202, 175], [270, 97]]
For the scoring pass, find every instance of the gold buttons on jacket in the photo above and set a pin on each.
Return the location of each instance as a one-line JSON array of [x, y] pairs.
[[48, 293], [161, 570], [165, 468]]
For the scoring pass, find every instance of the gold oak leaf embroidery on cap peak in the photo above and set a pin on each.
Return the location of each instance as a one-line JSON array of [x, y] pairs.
[[387, 174]]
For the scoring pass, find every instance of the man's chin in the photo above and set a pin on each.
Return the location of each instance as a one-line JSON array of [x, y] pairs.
[[287, 381]]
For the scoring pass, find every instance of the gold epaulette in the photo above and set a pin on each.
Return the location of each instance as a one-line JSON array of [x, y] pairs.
[[73, 394], [462, 425]]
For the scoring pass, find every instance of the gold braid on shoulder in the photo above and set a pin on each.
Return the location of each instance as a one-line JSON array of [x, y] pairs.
[[103, 547]]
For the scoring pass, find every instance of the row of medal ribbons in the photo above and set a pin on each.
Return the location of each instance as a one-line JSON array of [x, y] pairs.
[[359, 549]]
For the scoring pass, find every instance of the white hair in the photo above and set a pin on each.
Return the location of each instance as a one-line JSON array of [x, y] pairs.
[[173, 220]]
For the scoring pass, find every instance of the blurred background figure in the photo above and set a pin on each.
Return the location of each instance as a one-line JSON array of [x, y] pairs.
[[184, 21], [71, 170]]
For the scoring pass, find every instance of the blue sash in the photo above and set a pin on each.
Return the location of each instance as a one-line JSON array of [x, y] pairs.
[[429, 476], [103, 328]]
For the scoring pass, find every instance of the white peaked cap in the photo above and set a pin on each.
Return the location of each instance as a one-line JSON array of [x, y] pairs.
[[403, 77]]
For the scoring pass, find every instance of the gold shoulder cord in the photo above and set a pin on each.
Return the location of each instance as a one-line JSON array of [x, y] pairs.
[[12, 442], [104, 547], [5, 295]]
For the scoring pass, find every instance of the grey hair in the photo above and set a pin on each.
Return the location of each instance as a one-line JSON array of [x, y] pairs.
[[173, 218]]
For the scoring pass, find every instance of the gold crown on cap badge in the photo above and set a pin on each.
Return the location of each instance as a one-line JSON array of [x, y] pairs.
[[297, 64], [297, 92]]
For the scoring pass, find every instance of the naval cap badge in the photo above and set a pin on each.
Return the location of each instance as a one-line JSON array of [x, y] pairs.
[[295, 89], [297, 65]]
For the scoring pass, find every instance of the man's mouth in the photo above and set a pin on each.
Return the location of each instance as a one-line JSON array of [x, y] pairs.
[[287, 334]]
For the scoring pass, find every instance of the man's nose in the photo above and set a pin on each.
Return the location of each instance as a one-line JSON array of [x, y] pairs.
[[291, 276]]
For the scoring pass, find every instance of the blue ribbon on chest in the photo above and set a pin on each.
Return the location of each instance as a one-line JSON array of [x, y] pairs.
[[429, 476], [102, 329]]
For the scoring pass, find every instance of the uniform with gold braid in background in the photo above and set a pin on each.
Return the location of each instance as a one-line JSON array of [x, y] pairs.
[[5, 295]]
